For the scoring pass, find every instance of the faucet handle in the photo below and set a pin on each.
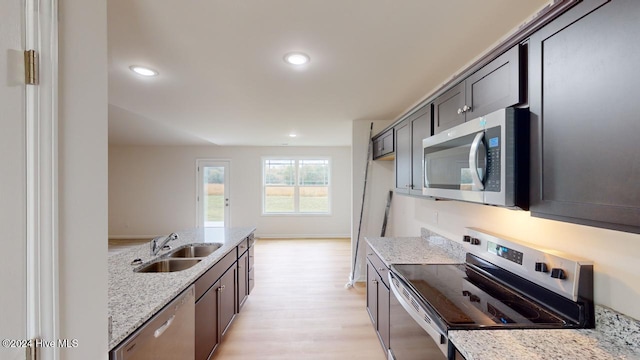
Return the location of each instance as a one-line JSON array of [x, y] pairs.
[[173, 236]]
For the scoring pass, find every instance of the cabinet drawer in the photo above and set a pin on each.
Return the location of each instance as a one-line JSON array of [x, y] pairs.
[[242, 247], [212, 275], [379, 265]]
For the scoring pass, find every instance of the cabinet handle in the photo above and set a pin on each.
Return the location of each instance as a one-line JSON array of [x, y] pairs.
[[466, 108], [374, 281], [381, 269], [369, 254], [459, 111]]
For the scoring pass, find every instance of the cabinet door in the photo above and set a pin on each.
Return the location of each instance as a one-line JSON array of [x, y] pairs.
[[447, 109], [383, 314], [496, 86], [584, 109], [227, 292], [403, 157], [207, 323], [372, 294], [420, 129], [251, 271], [383, 145], [243, 279]]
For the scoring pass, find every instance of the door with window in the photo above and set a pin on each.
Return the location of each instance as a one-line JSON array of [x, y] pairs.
[[213, 193]]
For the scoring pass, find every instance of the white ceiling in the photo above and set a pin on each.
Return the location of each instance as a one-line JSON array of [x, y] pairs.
[[223, 80]]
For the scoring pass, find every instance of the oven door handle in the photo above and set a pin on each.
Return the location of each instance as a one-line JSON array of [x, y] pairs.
[[473, 162], [437, 335]]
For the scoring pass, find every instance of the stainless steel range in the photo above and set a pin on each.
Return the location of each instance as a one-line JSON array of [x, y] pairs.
[[504, 284]]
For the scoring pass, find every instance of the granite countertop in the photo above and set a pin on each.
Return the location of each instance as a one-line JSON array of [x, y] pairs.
[[431, 248], [615, 336], [135, 297]]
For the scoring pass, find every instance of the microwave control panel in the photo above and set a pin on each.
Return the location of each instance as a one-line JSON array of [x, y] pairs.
[[493, 143]]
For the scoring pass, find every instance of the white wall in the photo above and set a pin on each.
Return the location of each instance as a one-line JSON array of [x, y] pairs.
[[615, 254], [152, 190], [83, 177], [379, 182]]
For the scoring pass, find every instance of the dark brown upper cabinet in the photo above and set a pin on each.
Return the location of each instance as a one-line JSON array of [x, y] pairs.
[[583, 96], [408, 139], [497, 85], [383, 146]]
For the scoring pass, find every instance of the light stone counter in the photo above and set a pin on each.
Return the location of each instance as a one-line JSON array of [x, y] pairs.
[[430, 248], [135, 297], [615, 336]]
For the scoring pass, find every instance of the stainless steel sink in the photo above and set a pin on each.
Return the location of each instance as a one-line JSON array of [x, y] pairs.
[[168, 265], [193, 251]]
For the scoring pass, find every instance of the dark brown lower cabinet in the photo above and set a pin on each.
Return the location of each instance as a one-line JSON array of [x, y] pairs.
[[378, 304], [207, 323], [227, 300], [243, 279], [220, 292]]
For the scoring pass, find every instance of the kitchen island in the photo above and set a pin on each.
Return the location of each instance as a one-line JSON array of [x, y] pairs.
[[135, 297]]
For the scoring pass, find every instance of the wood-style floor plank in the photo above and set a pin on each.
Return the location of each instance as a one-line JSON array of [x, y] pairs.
[[300, 308]]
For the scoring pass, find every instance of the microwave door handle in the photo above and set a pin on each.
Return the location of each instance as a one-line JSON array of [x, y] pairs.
[[473, 161], [426, 177]]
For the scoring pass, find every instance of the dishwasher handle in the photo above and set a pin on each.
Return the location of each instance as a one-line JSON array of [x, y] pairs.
[[159, 331]]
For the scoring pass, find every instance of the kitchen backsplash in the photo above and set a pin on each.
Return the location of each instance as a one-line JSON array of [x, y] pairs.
[[455, 249]]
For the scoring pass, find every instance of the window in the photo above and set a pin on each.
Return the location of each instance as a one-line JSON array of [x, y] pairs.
[[296, 186]]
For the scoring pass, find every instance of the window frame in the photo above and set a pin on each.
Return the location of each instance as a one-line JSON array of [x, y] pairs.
[[296, 186]]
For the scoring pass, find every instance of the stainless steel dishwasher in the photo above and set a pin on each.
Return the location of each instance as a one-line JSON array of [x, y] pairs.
[[169, 334]]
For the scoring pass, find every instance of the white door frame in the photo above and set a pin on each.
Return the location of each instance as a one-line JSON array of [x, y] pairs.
[[41, 34], [200, 190]]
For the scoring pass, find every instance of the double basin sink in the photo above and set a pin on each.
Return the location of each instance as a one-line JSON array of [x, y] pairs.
[[179, 259]]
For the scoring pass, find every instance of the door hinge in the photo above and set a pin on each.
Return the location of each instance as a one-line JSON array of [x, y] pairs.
[[31, 71], [33, 352]]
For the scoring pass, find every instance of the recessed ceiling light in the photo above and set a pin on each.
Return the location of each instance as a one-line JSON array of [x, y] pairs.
[[296, 58], [292, 135], [144, 71]]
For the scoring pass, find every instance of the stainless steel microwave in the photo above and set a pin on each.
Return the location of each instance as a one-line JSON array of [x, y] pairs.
[[484, 160]]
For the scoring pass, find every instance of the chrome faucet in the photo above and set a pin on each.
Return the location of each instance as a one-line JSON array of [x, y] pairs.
[[155, 248]]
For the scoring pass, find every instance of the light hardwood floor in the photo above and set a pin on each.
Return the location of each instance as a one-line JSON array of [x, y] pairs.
[[300, 308]]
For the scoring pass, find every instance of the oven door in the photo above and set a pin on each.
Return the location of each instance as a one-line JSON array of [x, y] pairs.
[[411, 337]]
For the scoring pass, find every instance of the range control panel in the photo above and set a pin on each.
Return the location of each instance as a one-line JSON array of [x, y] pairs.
[[505, 252], [551, 269]]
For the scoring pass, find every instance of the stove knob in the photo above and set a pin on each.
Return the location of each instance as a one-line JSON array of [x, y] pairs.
[[466, 238], [474, 298], [541, 267], [475, 241], [558, 273]]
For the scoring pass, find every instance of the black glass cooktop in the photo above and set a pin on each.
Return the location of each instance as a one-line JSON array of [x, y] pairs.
[[466, 299]]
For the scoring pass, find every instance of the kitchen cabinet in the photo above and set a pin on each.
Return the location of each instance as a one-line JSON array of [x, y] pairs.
[[243, 278], [409, 135], [227, 301], [383, 146], [215, 304], [251, 270], [497, 85], [585, 157], [378, 296]]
